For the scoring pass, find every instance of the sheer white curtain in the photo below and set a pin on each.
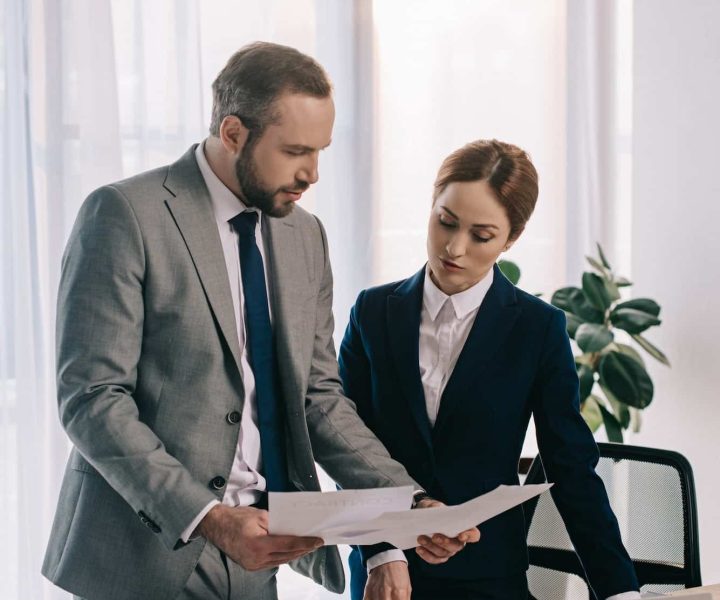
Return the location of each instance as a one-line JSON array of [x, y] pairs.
[[447, 77], [599, 133], [93, 91], [29, 435]]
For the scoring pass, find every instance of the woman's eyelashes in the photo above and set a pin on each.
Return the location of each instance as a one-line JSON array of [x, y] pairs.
[[480, 239], [453, 225]]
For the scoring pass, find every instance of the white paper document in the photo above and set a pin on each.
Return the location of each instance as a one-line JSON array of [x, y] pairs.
[[683, 595], [383, 514], [313, 513]]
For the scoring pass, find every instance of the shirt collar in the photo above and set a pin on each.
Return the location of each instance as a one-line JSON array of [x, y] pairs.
[[225, 203], [463, 303]]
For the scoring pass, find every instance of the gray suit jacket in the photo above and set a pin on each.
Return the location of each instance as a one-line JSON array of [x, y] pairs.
[[148, 367]]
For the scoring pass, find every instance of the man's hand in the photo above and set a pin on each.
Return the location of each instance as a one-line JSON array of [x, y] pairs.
[[390, 581], [439, 548], [242, 534]]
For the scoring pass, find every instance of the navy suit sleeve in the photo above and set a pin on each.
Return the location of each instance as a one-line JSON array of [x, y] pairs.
[[570, 455], [354, 365], [357, 384]]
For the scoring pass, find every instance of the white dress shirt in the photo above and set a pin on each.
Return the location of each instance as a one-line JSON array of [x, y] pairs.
[[445, 323], [245, 483]]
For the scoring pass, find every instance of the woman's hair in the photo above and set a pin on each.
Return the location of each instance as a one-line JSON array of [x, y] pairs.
[[254, 78], [507, 169]]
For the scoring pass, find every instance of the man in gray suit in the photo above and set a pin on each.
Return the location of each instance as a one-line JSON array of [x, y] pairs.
[[196, 369]]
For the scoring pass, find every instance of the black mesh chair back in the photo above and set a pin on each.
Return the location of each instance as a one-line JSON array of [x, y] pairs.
[[652, 493]]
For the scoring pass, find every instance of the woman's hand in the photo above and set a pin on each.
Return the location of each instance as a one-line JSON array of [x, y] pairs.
[[439, 548], [389, 581]]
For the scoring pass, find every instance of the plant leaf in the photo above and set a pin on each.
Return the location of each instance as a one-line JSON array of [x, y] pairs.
[[573, 322], [645, 305], [651, 349], [630, 351], [591, 337], [633, 320], [626, 379], [594, 288], [510, 270], [604, 260], [590, 411], [572, 299], [596, 265], [612, 290], [619, 409], [612, 427], [622, 282], [587, 380], [562, 298]]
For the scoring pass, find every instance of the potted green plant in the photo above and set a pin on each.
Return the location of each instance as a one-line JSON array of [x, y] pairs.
[[614, 384]]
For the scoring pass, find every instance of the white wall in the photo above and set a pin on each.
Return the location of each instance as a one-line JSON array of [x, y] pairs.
[[675, 239]]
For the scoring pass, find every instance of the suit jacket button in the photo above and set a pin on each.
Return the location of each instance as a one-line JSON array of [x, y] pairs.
[[217, 482], [233, 417]]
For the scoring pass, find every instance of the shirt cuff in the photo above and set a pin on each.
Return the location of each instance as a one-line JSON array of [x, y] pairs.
[[185, 535], [626, 596], [385, 557]]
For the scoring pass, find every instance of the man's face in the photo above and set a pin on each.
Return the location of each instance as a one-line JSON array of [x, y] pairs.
[[274, 170]]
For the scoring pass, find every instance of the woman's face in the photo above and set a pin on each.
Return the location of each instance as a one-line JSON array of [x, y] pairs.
[[468, 230]]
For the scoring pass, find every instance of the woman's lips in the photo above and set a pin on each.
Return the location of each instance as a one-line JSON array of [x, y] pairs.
[[451, 266]]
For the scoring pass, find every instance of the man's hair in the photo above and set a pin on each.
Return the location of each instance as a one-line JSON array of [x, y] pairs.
[[508, 171], [253, 79]]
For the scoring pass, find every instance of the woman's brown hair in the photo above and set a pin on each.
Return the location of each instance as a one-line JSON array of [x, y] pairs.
[[507, 169]]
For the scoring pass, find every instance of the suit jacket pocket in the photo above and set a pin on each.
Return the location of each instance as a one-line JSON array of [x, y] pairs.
[[78, 463]]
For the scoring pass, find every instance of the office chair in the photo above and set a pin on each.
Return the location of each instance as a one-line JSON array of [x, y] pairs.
[[652, 493]]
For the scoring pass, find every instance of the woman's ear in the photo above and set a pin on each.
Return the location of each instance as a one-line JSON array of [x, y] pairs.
[[511, 240], [233, 134]]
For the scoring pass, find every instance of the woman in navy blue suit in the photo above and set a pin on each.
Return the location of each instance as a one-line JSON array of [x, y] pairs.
[[447, 366]]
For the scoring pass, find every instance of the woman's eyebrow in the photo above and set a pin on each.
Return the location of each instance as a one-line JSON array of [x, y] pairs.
[[481, 225]]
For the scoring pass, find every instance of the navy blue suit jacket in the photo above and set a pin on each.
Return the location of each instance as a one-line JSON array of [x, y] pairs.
[[516, 362]]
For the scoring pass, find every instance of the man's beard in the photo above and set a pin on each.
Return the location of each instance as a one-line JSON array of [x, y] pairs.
[[254, 192]]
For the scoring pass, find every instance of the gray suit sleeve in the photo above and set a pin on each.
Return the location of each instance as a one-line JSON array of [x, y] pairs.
[[99, 342], [342, 443]]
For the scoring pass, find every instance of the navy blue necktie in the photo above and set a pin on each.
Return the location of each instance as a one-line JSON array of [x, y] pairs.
[[262, 354]]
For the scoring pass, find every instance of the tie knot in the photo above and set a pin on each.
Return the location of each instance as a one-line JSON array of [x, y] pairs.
[[245, 222]]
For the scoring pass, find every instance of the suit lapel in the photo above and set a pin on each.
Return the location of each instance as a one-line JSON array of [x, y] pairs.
[[403, 324], [293, 313], [192, 211], [493, 323], [289, 290]]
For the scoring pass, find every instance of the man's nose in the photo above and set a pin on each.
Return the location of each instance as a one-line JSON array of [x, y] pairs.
[[309, 172]]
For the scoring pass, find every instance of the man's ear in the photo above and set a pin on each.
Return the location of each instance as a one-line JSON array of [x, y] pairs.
[[233, 134]]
